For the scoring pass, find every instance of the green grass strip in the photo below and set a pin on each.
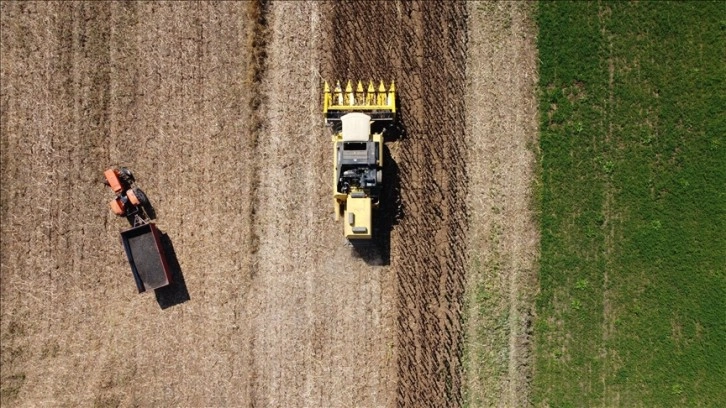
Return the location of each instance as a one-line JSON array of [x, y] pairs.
[[632, 308]]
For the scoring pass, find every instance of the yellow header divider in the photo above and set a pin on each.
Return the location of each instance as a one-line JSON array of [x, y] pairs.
[[360, 100]]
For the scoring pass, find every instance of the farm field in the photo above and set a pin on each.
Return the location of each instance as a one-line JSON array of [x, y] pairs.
[[503, 239], [216, 108], [551, 232], [632, 308]]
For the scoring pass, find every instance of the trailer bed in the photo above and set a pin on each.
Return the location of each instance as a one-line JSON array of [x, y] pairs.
[[146, 257]]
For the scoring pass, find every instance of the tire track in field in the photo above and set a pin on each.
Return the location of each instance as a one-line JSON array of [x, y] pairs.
[[611, 363], [257, 41]]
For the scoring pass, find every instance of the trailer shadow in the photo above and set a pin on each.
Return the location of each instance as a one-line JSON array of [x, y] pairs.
[[176, 293], [378, 250]]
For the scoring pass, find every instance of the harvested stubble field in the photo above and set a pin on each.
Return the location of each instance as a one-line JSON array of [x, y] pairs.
[[216, 108]]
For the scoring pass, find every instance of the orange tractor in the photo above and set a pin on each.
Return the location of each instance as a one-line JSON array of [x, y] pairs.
[[142, 242], [130, 200]]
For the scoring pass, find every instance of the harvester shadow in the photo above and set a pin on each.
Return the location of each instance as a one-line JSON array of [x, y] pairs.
[[378, 250], [176, 293]]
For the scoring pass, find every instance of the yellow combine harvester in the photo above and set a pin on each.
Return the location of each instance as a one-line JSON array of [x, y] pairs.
[[356, 118]]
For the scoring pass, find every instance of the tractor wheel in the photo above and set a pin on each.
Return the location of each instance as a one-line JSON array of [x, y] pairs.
[[137, 197], [117, 207], [113, 181]]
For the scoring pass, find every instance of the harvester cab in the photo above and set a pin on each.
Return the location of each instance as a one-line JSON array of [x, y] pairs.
[[356, 118]]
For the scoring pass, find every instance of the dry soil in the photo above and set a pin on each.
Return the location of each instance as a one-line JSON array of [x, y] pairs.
[[216, 108]]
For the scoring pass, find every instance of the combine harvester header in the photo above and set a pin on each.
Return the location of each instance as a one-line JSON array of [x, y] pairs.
[[380, 104], [358, 151]]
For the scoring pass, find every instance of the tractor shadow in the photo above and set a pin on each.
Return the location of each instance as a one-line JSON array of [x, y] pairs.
[[377, 251], [176, 293]]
